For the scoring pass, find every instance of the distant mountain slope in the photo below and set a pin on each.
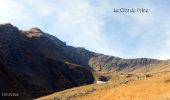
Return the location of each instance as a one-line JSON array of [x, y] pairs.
[[39, 63], [139, 65]]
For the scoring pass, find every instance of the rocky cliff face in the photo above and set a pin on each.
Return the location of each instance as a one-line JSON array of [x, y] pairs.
[[34, 63]]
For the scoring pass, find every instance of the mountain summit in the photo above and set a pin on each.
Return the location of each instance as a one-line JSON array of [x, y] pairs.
[[34, 63], [7, 28]]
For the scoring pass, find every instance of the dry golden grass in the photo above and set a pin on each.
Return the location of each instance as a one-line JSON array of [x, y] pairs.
[[152, 88]]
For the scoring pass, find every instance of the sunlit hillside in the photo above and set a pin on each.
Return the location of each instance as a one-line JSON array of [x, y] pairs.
[[153, 88]]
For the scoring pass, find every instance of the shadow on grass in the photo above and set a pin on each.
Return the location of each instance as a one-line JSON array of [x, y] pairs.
[[167, 81]]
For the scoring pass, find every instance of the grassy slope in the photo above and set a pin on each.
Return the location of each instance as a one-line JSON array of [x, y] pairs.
[[153, 88], [125, 87]]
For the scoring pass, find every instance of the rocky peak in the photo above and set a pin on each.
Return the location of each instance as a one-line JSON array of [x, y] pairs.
[[7, 28], [34, 32], [6, 25]]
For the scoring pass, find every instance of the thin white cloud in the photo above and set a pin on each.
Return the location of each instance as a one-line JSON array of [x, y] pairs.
[[78, 23]]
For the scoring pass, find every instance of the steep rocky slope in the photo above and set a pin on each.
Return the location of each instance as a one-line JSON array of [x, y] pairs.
[[33, 64], [39, 63]]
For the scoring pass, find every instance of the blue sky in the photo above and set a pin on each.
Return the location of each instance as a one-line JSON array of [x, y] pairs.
[[93, 24]]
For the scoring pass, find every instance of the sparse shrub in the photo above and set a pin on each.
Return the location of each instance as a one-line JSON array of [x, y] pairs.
[[56, 98], [104, 78], [167, 81], [149, 75], [129, 75]]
